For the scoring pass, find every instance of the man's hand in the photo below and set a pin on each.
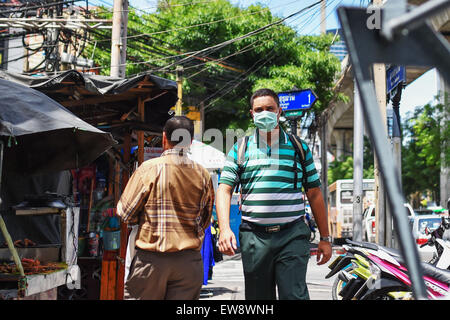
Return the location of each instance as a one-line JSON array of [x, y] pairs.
[[324, 252], [227, 242]]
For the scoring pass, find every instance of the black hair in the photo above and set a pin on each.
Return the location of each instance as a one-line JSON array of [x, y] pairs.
[[179, 129], [262, 93]]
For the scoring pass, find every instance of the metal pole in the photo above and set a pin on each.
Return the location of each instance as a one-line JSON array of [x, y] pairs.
[[358, 155], [412, 19], [444, 184], [323, 17], [355, 36], [397, 153], [293, 126], [324, 161]]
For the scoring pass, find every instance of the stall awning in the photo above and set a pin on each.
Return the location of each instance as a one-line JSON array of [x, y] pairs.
[[106, 102]]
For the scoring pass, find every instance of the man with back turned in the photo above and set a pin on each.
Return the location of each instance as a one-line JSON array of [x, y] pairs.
[[171, 198]]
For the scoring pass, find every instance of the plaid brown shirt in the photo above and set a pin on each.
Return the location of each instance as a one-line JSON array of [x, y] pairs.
[[171, 198]]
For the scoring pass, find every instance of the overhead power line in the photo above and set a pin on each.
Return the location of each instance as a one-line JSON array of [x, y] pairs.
[[191, 55], [210, 105], [249, 34], [52, 4], [201, 24]]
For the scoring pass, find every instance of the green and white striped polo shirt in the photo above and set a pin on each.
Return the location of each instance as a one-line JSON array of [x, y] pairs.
[[267, 179]]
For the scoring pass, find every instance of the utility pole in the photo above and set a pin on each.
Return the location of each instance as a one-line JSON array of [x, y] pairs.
[[324, 160], [114, 277], [358, 156], [119, 39], [202, 117], [179, 79], [396, 141], [379, 78], [293, 124], [323, 17], [444, 185]]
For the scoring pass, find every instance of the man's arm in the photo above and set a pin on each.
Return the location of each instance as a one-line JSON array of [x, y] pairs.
[[317, 204], [227, 239], [133, 199]]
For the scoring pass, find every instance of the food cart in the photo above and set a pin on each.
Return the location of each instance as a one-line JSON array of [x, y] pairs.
[[39, 139]]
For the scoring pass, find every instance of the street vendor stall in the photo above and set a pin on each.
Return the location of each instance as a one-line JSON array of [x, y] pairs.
[[39, 139], [133, 111]]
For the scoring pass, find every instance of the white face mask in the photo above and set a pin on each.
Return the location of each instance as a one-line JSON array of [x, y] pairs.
[[265, 120]]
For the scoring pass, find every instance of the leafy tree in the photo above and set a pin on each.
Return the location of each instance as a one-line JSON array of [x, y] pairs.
[[425, 139], [344, 169], [223, 77]]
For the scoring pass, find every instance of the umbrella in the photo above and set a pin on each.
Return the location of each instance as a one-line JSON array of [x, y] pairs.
[[40, 135], [208, 156]]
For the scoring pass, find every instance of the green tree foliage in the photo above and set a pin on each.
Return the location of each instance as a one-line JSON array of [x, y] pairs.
[[424, 140], [344, 169], [223, 78]]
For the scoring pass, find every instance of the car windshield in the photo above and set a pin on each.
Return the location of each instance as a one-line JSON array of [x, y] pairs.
[[431, 223], [423, 212]]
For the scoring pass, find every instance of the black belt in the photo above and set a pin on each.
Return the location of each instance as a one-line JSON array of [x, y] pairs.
[[251, 226]]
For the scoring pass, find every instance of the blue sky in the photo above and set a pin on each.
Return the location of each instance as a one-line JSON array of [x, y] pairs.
[[421, 91]]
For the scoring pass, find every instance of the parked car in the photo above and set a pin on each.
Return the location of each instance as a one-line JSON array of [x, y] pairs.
[[369, 230], [423, 211], [418, 225], [432, 210]]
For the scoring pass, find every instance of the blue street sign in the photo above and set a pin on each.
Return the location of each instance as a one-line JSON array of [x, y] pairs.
[[395, 75], [297, 100]]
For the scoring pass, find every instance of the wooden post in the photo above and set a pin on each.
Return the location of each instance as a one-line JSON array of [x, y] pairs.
[[140, 134], [91, 194], [111, 177], [123, 226], [108, 285]]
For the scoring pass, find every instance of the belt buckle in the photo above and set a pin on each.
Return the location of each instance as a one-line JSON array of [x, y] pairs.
[[272, 229]]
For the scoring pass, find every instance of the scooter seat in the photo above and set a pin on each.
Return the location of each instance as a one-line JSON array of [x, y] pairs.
[[367, 245], [393, 252], [373, 246], [428, 269], [436, 273]]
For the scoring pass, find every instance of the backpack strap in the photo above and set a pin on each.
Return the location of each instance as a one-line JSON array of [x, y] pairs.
[[298, 147], [241, 147]]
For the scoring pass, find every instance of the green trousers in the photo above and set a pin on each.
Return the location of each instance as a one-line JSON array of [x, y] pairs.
[[278, 259]]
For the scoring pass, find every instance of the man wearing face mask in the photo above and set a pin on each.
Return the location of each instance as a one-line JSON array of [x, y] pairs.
[[273, 235]]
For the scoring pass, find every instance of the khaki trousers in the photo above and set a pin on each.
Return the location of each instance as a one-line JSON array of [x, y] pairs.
[[165, 276]]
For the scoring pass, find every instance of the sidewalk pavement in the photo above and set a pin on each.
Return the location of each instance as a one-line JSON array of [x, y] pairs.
[[227, 281]]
